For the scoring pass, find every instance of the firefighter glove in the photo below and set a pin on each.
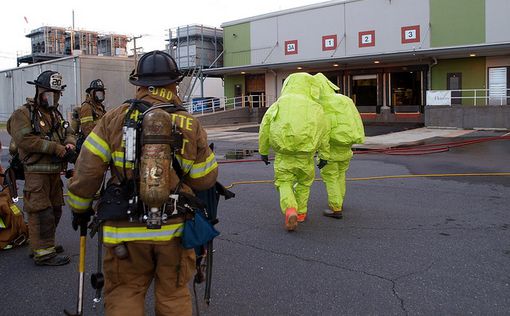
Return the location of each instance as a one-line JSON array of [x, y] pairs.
[[265, 159], [81, 219], [322, 163]]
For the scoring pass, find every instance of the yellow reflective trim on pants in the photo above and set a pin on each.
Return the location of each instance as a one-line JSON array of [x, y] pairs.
[[202, 169], [97, 146], [2, 223], [78, 203], [15, 209], [43, 252], [86, 119], [118, 160], [115, 235], [44, 168]]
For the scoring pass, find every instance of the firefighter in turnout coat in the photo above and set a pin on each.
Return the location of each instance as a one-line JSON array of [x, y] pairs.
[[135, 254]]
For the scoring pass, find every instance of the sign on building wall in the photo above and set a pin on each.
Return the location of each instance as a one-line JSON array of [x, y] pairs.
[[439, 97], [291, 47], [366, 38], [329, 42], [410, 34]]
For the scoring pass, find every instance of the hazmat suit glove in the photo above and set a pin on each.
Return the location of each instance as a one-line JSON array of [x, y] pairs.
[[81, 219], [322, 163], [265, 159]]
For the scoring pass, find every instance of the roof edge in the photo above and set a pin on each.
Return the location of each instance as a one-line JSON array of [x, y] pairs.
[[286, 11]]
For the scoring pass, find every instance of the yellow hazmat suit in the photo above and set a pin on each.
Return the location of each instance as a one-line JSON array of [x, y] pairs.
[[346, 129], [295, 127]]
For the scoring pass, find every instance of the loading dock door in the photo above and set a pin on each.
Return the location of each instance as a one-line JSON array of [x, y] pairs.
[[364, 90], [256, 89]]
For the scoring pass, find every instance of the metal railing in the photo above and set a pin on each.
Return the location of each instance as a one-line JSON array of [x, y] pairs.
[[212, 105], [478, 97]]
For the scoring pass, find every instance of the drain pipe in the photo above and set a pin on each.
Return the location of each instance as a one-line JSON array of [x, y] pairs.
[[275, 84], [429, 74]]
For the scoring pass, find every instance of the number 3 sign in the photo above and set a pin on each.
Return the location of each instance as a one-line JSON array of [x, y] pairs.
[[410, 34], [366, 39]]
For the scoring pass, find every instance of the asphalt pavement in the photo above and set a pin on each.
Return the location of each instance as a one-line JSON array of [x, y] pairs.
[[406, 246]]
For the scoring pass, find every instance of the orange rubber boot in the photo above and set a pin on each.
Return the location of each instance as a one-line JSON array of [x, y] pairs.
[[301, 217], [290, 219]]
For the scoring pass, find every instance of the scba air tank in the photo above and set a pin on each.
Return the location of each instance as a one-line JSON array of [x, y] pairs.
[[156, 160]]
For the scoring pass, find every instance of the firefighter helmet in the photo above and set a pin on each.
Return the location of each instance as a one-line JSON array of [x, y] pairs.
[[50, 80], [96, 85], [155, 68]]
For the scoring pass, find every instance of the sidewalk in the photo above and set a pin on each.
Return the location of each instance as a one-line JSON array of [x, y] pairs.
[[410, 137]]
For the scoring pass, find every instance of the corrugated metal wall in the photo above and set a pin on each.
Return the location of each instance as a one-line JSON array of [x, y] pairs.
[[77, 73]]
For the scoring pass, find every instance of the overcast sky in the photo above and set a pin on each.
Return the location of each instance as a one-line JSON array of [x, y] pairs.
[[149, 18]]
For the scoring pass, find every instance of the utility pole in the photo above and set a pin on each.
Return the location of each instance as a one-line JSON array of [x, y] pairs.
[[134, 38], [72, 37]]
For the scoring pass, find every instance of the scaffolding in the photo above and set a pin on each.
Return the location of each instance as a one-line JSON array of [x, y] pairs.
[[195, 46], [50, 42], [112, 45]]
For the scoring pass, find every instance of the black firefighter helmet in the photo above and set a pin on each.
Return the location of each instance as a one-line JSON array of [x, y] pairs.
[[50, 80], [96, 85], [155, 68]]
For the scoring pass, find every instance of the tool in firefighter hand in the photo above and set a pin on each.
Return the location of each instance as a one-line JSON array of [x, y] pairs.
[[81, 271], [97, 279], [10, 182]]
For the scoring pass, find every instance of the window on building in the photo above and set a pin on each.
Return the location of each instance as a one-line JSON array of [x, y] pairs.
[[499, 85]]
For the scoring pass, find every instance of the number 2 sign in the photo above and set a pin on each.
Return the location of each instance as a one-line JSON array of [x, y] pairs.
[[410, 34], [366, 39]]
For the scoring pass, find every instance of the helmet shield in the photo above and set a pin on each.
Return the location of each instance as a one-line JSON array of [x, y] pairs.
[[49, 80]]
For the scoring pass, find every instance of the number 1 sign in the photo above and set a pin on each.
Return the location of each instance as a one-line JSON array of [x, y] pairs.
[[329, 42], [410, 34], [366, 39]]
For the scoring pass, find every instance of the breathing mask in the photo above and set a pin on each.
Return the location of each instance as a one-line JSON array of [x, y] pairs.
[[99, 95], [49, 99]]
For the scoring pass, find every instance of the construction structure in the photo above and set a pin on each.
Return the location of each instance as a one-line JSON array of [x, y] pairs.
[[51, 42], [195, 48], [112, 45]]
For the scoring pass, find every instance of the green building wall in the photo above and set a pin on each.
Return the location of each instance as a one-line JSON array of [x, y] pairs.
[[229, 85], [237, 45], [457, 22], [473, 72]]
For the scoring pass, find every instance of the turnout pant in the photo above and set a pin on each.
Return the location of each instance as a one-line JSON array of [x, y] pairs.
[[43, 201], [127, 280]]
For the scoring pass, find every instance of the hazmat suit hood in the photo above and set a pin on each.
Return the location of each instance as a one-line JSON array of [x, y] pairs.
[[344, 118], [325, 85], [295, 123], [301, 83]]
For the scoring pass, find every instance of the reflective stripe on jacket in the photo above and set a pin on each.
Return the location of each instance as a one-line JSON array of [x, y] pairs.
[[116, 235]]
